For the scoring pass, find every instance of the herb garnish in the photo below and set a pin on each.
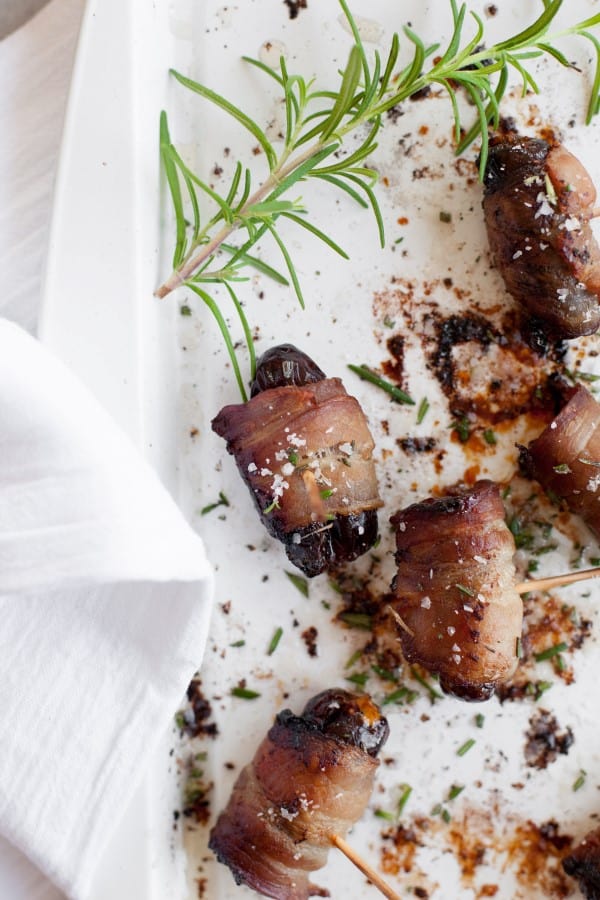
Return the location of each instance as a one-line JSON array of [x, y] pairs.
[[317, 124], [300, 583], [395, 393], [222, 501], [466, 747], [244, 693], [551, 652], [274, 641], [423, 410]]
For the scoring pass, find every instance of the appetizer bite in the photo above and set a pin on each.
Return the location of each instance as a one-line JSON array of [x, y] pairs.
[[538, 203], [565, 458], [455, 598], [309, 781], [583, 863], [303, 447]]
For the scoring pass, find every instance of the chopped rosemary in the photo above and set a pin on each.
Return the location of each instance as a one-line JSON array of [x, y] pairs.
[[551, 652], [395, 393], [300, 583], [479, 720], [434, 695], [518, 648], [464, 748], [384, 814], [423, 410], [405, 792], [489, 436], [274, 641], [463, 429], [446, 816], [359, 678], [455, 790], [239, 643], [356, 620], [445, 217], [244, 693], [185, 310], [326, 494], [403, 693], [384, 674], [465, 590], [353, 659], [580, 780], [222, 501]]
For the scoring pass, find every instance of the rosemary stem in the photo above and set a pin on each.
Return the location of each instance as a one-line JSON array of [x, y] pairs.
[[193, 262]]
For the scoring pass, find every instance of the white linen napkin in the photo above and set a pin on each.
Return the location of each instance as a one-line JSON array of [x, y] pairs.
[[104, 605]]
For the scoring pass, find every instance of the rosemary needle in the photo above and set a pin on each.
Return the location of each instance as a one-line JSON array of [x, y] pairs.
[[395, 393]]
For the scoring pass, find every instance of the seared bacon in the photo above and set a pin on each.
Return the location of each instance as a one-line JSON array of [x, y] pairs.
[[304, 449], [538, 203], [565, 458], [310, 779], [454, 593], [583, 863]]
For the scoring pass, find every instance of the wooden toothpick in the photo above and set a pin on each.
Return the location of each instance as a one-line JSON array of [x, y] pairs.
[[546, 584], [364, 867]]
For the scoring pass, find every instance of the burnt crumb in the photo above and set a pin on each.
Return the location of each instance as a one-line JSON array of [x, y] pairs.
[[422, 94], [395, 113], [294, 7], [491, 10], [226, 607], [197, 791], [218, 170], [421, 892], [544, 742], [194, 719], [414, 445], [309, 636], [394, 368]]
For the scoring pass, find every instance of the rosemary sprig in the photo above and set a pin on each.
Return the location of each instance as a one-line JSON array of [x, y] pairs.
[[317, 126]]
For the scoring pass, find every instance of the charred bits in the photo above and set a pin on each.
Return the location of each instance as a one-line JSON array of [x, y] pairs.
[[545, 742]]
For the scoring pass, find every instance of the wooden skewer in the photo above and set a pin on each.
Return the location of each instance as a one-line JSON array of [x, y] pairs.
[[545, 584], [364, 867]]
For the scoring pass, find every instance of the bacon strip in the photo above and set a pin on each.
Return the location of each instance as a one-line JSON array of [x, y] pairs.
[[565, 458], [310, 778], [306, 454], [455, 590], [538, 203], [583, 863]]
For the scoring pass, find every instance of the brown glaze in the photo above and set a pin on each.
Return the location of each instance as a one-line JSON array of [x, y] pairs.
[[455, 590], [310, 778], [565, 458], [538, 203]]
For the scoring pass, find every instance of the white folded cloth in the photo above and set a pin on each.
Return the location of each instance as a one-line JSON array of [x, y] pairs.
[[104, 605]]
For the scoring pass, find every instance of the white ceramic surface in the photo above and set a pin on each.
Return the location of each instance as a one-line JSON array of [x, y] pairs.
[[164, 376]]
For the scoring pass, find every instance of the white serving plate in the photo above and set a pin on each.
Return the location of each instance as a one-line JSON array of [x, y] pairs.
[[163, 376]]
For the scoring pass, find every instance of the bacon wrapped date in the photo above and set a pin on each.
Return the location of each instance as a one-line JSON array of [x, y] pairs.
[[538, 203], [565, 458], [303, 447], [455, 590], [583, 863], [310, 779]]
